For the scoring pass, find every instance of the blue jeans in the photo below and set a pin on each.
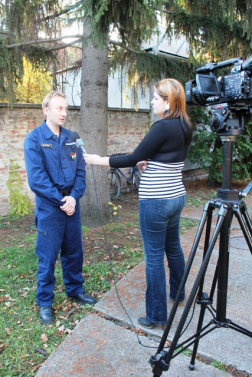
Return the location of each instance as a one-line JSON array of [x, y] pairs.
[[159, 225]]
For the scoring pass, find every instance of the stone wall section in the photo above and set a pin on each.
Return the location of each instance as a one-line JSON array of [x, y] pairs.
[[126, 128]]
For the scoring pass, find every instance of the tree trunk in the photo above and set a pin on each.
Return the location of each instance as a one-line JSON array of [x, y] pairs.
[[94, 129]]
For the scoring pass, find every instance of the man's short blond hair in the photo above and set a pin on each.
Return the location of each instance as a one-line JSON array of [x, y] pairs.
[[49, 96]]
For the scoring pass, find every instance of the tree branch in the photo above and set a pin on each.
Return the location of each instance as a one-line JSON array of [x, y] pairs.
[[64, 45], [164, 55], [168, 11], [123, 46], [63, 11], [39, 41]]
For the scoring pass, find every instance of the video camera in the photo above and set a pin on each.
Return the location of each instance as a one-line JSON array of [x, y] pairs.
[[228, 95], [206, 89]]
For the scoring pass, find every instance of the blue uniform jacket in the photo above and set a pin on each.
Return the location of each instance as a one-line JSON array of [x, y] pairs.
[[53, 164]]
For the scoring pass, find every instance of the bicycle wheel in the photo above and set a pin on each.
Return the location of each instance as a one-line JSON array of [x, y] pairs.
[[114, 184], [136, 177]]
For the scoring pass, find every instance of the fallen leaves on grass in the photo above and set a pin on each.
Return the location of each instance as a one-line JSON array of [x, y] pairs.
[[61, 329], [44, 338]]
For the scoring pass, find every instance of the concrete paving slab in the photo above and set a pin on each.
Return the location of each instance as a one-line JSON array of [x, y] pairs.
[[193, 213], [99, 348], [224, 345]]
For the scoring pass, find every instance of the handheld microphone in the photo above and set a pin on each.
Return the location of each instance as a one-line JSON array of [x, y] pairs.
[[78, 141]]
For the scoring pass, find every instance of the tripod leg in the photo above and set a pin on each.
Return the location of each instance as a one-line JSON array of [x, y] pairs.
[[223, 263], [222, 214], [205, 215], [203, 302], [202, 298], [237, 212], [244, 212], [161, 361], [160, 355], [213, 287], [206, 244]]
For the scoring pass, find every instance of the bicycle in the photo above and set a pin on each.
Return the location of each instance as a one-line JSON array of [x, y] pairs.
[[114, 180]]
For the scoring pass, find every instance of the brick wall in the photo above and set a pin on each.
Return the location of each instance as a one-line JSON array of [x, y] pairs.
[[126, 128]]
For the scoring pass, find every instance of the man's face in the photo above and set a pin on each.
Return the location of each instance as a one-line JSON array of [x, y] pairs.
[[56, 111]]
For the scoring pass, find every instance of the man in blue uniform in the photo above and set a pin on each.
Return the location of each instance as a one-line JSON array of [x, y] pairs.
[[56, 174]]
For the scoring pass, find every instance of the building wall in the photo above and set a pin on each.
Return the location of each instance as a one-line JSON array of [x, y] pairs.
[[119, 95], [126, 128]]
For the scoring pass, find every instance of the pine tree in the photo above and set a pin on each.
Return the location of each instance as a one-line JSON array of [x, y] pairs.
[[215, 31]]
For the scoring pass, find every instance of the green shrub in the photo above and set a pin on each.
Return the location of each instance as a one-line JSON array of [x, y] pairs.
[[20, 203]]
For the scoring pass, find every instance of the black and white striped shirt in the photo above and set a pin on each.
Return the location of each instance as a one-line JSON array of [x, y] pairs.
[[162, 181], [165, 149]]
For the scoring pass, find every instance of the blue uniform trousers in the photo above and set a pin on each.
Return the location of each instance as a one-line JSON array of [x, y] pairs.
[[58, 232]]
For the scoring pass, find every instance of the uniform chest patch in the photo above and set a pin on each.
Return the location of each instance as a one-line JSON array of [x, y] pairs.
[[46, 145]]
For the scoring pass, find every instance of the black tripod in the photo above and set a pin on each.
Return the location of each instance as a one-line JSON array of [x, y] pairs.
[[229, 202]]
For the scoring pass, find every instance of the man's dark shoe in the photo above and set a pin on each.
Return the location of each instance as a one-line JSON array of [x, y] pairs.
[[146, 323], [46, 314], [84, 299]]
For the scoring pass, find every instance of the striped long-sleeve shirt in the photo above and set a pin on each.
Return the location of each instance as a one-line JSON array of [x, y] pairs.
[[161, 181], [164, 148]]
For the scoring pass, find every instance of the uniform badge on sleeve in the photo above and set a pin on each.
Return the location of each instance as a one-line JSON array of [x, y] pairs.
[[73, 155]]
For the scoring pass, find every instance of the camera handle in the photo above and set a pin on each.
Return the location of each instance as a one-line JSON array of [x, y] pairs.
[[228, 203]]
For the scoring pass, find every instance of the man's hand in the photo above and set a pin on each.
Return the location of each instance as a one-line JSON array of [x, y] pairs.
[[69, 206], [142, 165]]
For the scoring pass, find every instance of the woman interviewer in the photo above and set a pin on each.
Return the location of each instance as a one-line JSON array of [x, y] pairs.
[[161, 195]]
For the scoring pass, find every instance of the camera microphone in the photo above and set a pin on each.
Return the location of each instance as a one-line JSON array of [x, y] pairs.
[[78, 141]]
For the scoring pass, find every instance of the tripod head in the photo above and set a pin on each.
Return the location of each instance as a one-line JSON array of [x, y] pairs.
[[228, 121]]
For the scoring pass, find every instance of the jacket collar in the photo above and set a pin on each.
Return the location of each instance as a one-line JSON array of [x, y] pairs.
[[48, 132]]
